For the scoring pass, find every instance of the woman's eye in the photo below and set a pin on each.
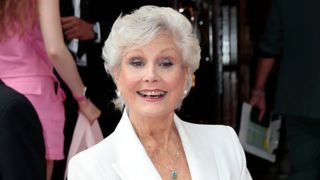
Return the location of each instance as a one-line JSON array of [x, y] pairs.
[[136, 62], [166, 63]]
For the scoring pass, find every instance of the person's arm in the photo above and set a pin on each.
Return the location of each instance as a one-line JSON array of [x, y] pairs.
[[60, 56], [258, 100], [269, 49]]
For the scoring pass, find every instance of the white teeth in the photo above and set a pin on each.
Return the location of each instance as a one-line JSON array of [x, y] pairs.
[[151, 94]]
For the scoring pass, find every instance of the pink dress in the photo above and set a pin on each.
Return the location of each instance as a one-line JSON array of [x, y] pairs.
[[25, 67]]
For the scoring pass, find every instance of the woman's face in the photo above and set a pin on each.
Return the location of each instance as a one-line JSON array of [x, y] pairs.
[[152, 78]]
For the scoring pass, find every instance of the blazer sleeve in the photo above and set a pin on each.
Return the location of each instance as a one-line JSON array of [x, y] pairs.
[[244, 172]]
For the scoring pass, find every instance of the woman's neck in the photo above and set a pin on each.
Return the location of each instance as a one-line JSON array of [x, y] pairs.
[[162, 143], [155, 133]]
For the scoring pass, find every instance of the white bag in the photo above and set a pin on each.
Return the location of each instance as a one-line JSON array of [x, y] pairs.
[[84, 136]]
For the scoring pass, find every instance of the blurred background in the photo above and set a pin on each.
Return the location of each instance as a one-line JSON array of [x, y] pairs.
[[229, 31]]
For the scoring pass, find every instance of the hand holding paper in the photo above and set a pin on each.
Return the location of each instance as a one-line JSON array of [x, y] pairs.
[[260, 139]]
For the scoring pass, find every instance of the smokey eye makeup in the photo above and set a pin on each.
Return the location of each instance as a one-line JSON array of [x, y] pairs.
[[136, 62], [162, 62], [166, 63]]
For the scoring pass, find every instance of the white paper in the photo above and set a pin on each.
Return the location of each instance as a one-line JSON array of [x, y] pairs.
[[257, 139]]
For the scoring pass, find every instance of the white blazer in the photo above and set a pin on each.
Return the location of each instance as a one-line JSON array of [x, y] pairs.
[[213, 152]]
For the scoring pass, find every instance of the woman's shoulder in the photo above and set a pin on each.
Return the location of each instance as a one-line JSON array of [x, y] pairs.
[[222, 135], [221, 139], [98, 151], [95, 161], [209, 128]]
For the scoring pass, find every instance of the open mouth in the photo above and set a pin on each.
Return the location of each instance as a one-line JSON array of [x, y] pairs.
[[152, 94]]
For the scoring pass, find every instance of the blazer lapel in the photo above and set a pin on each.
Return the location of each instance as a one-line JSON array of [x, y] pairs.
[[132, 160], [201, 159]]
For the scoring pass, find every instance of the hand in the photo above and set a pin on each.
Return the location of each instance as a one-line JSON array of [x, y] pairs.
[[74, 27], [258, 100], [89, 110]]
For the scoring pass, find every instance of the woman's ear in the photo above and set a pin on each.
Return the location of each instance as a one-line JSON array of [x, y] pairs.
[[187, 72], [187, 75], [116, 73]]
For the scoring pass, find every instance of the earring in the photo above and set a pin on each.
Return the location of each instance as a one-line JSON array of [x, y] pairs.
[[185, 92], [118, 93]]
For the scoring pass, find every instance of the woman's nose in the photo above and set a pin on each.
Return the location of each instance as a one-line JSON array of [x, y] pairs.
[[151, 74]]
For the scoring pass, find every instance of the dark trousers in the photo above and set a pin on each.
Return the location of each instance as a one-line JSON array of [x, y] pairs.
[[303, 135]]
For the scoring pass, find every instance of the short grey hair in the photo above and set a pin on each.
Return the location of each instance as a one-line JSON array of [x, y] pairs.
[[140, 27]]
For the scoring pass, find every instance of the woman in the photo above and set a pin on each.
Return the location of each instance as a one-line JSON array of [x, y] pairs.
[[151, 55], [31, 44]]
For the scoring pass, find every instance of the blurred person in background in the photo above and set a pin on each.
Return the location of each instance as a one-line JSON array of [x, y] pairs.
[[292, 37], [31, 46], [22, 152]]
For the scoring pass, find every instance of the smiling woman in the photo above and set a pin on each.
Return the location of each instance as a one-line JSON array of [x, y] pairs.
[[128, 36], [152, 78], [151, 55]]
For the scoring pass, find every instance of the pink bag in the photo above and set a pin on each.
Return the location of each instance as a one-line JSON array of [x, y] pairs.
[[84, 136]]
